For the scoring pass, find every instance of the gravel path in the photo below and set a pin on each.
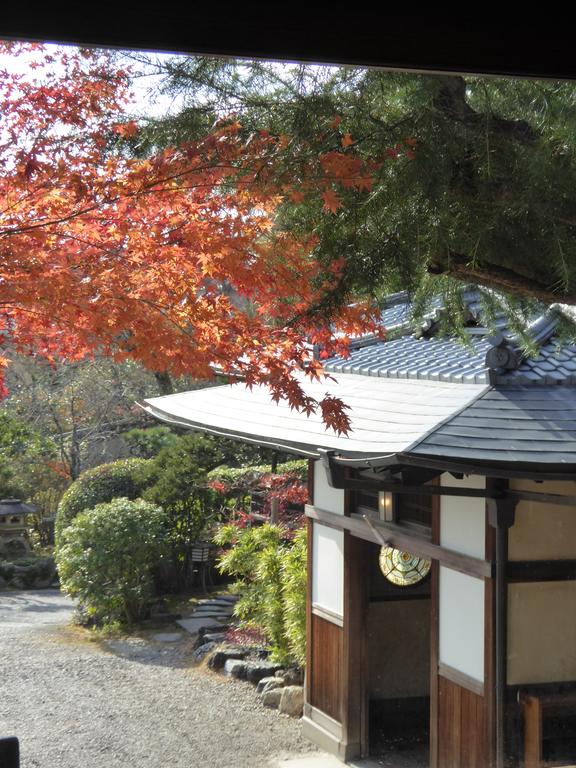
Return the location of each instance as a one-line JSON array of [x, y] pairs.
[[125, 703]]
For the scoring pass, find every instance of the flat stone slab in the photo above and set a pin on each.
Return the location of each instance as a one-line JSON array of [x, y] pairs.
[[324, 761], [228, 598], [168, 637], [194, 625], [215, 604]]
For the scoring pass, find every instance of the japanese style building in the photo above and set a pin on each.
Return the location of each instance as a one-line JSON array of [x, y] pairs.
[[442, 530]]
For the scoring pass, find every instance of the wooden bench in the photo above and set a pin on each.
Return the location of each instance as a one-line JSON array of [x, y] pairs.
[[535, 708]]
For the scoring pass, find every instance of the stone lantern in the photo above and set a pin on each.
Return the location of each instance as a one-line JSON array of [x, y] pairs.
[[13, 528]]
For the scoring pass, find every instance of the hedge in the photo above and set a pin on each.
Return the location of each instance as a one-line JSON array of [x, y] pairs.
[[125, 477]]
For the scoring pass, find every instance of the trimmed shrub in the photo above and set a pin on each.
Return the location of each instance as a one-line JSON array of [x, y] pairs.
[[107, 556], [178, 470], [28, 572], [124, 478]]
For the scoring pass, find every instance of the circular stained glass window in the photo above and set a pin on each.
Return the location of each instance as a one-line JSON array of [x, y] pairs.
[[402, 568]]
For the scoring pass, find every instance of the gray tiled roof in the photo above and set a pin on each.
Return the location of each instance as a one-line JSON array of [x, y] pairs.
[[427, 356], [419, 398], [523, 424], [408, 357]]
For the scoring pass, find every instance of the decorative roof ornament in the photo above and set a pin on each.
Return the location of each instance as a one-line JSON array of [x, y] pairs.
[[502, 356]]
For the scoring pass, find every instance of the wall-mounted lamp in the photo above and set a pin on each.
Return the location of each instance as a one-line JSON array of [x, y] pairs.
[[385, 506]]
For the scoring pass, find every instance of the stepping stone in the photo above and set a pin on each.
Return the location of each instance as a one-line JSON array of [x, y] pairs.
[[209, 614], [167, 637], [215, 637], [194, 625]]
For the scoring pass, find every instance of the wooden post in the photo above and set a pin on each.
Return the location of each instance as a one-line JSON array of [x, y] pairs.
[[501, 517], [354, 704], [274, 507]]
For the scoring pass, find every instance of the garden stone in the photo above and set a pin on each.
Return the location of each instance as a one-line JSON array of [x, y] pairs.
[[291, 700], [235, 668], [272, 698], [268, 684], [203, 651], [293, 676], [215, 637], [256, 670], [167, 637], [195, 625], [219, 658]]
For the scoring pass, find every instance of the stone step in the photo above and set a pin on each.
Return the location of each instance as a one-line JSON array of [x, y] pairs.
[[194, 625]]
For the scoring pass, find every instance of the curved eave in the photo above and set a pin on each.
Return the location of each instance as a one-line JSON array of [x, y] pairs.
[[387, 416], [299, 449]]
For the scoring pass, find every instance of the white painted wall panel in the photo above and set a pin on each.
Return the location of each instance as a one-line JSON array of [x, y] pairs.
[[462, 520], [461, 623], [328, 568], [326, 497]]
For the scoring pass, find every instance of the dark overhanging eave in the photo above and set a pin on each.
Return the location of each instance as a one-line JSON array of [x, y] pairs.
[[495, 468], [432, 43]]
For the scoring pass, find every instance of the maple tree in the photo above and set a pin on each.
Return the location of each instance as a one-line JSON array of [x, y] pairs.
[[173, 258]]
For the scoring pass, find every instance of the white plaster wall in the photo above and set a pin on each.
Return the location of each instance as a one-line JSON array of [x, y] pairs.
[[326, 497], [462, 520], [461, 623], [328, 568], [461, 598]]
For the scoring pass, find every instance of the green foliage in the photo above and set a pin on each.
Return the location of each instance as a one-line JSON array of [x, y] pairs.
[[11, 486], [28, 570], [106, 559], [188, 521], [16, 437], [176, 479], [485, 192], [177, 471], [23, 456], [147, 443], [244, 476], [42, 521], [126, 477], [271, 576], [294, 585]]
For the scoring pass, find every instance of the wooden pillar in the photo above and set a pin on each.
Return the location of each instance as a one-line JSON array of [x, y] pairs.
[[354, 716], [501, 518], [434, 725]]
